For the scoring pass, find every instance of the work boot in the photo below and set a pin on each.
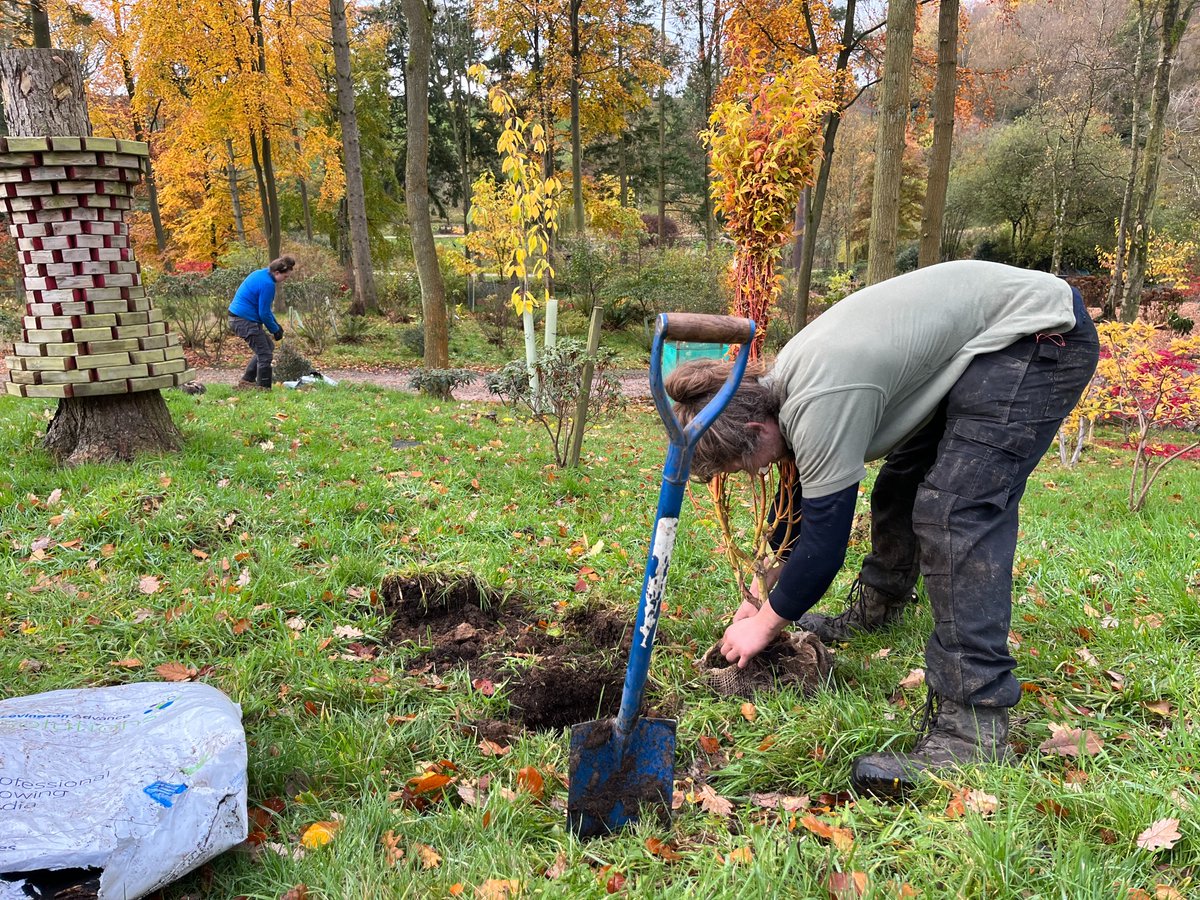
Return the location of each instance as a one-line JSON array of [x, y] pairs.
[[868, 610], [955, 735]]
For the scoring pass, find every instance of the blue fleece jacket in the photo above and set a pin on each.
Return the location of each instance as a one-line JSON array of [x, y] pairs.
[[254, 299]]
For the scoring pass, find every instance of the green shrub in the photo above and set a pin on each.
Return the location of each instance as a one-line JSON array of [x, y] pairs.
[[671, 281], [439, 382], [399, 294], [352, 329], [413, 340], [560, 383]]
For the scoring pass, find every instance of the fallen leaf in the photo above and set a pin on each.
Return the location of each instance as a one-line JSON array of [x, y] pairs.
[[530, 780], [981, 803], [615, 883], [780, 801], [149, 584], [914, 678], [347, 631], [749, 712], [428, 782], [318, 834], [491, 748], [299, 892], [713, 802], [1160, 708], [456, 889], [816, 826], [1166, 892], [430, 858], [741, 856], [296, 623], [847, 885], [174, 671], [392, 850], [842, 838], [1068, 741], [559, 867], [498, 889], [709, 744], [662, 849], [883, 653], [484, 686], [131, 662], [1049, 807], [1162, 835]]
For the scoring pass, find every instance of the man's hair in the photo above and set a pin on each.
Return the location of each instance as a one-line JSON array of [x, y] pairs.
[[283, 264], [728, 441]]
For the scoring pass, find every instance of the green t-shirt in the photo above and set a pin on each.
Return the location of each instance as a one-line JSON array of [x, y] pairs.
[[869, 372]]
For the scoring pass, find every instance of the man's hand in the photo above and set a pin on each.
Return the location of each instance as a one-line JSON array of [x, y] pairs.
[[278, 335], [746, 610], [748, 636]]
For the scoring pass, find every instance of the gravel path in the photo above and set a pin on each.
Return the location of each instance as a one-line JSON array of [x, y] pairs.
[[634, 384]]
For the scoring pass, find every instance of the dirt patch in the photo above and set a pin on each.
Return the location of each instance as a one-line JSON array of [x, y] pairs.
[[555, 672]]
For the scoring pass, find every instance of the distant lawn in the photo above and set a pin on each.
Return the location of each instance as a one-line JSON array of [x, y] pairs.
[[283, 515]]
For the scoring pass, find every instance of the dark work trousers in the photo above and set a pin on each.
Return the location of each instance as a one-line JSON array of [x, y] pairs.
[[259, 368], [945, 504]]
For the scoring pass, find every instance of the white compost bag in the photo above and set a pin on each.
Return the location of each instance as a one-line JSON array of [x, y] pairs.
[[138, 783]]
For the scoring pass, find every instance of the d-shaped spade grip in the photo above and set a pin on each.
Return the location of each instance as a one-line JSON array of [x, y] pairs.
[[706, 329]]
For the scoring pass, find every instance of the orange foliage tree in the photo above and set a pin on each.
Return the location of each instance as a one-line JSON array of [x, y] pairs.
[[766, 142]]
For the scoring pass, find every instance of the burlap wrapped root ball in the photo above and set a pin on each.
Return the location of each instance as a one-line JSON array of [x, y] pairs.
[[794, 658]]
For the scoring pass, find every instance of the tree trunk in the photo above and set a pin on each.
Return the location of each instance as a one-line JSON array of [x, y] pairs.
[[1172, 25], [416, 189], [271, 209], [356, 201], [934, 212], [43, 95], [1116, 283], [235, 198], [816, 206], [39, 21], [142, 134], [662, 139], [889, 142], [576, 54]]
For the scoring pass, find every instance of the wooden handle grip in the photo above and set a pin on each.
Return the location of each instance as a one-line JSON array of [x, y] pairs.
[[706, 329]]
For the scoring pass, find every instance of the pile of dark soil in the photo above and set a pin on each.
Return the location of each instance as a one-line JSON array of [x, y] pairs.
[[554, 673]]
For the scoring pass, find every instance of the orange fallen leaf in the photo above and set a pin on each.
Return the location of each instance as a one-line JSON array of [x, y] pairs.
[[741, 856], [130, 662], [749, 712], [430, 858], [662, 849], [491, 748], [530, 780], [914, 678], [392, 850], [709, 744], [456, 889], [767, 743], [318, 834], [615, 883], [498, 889], [299, 892], [817, 827], [428, 782], [847, 885]]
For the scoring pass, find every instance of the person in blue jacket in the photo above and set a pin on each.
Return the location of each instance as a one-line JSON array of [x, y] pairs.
[[251, 318]]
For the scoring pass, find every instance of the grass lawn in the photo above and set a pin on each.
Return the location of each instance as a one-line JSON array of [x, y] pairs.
[[269, 538]]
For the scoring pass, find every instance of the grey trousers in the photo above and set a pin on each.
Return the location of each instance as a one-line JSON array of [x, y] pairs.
[[259, 368], [945, 504]]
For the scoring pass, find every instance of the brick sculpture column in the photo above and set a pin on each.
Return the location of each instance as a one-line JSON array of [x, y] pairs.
[[89, 329]]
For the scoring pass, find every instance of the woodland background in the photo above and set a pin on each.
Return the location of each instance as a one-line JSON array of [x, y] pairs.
[[1066, 151]]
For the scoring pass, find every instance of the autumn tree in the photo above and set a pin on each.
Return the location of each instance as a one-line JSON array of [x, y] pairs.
[[944, 93], [1173, 18], [765, 144]]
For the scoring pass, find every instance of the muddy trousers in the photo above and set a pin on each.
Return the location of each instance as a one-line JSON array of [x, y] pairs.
[[258, 370], [945, 504]]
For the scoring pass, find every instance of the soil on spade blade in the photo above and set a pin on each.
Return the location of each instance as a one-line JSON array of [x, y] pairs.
[[555, 673]]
